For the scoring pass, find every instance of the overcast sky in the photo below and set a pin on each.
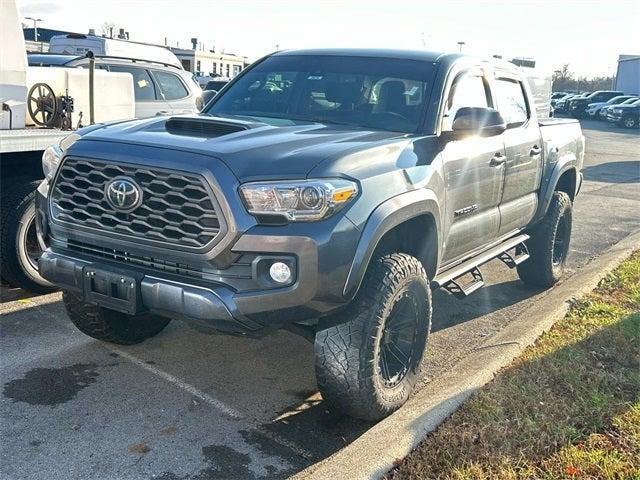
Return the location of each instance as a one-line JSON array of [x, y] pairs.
[[587, 35]]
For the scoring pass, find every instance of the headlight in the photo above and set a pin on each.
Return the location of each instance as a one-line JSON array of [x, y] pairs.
[[53, 154], [51, 160], [303, 201]]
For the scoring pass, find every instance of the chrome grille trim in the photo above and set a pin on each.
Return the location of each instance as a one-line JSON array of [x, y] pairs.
[[178, 208]]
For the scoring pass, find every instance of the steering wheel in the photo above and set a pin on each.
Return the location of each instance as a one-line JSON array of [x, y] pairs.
[[43, 108]]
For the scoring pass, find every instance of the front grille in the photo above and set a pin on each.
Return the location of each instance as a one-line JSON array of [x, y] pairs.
[[240, 269], [177, 208]]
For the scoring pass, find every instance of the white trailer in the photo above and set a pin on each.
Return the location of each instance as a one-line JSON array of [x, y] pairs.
[[22, 145]]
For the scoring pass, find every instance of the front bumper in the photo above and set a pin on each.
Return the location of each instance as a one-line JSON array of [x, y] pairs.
[[320, 255]]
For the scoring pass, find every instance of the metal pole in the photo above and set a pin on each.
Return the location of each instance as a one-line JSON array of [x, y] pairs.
[[92, 68]]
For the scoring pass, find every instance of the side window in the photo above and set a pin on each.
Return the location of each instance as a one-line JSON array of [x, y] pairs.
[[171, 86], [511, 102], [468, 90], [143, 88]]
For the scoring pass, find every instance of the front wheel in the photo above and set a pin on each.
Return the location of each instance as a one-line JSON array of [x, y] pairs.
[[630, 122], [111, 326], [549, 244], [368, 357]]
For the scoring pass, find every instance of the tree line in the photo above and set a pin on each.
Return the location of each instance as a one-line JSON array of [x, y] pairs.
[[565, 80]]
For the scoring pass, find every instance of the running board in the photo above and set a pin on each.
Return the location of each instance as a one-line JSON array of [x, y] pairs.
[[450, 279], [519, 255]]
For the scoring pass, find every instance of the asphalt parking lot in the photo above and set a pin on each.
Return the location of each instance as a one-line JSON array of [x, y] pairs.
[[184, 405]]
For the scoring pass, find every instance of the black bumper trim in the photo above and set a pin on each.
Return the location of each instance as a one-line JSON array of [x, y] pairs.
[[203, 307]]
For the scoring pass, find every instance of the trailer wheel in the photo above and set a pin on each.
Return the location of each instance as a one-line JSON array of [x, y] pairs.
[[19, 248]]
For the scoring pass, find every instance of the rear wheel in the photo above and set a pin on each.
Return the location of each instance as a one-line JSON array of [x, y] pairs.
[[111, 326], [368, 357], [549, 244], [19, 245]]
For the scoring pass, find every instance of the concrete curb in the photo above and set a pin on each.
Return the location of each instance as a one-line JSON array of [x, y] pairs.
[[375, 452]]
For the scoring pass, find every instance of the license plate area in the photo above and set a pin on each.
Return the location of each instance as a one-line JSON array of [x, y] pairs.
[[112, 289]]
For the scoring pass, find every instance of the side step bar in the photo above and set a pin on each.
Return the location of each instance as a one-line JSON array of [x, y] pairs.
[[450, 279]]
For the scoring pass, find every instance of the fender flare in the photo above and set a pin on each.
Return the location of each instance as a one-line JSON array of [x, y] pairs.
[[385, 217], [563, 165]]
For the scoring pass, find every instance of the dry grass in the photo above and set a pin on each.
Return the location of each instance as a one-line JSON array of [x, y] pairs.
[[569, 407]]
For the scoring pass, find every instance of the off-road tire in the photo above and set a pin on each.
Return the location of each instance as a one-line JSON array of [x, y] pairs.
[[348, 344], [547, 250], [111, 326], [16, 220]]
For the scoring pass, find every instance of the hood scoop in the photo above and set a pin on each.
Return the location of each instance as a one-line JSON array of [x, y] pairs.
[[203, 127]]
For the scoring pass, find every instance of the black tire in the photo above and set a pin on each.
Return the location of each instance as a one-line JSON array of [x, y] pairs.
[[350, 347], [19, 247], [109, 325], [629, 122], [549, 244]]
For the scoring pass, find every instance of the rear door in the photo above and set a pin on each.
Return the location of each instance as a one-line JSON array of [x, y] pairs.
[[174, 91], [473, 170], [149, 101], [523, 147]]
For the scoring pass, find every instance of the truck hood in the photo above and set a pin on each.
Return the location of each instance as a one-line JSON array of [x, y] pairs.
[[250, 150]]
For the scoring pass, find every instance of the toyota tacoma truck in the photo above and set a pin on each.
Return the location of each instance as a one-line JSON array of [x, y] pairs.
[[326, 192]]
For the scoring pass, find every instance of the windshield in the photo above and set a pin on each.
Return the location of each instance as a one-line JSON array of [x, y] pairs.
[[376, 93]]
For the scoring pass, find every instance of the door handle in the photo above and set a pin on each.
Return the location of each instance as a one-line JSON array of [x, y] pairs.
[[497, 160], [535, 150]]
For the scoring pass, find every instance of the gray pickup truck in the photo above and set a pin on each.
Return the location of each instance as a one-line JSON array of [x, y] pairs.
[[326, 192]]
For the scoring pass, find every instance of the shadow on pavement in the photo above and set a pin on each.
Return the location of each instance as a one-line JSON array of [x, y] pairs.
[[613, 172], [449, 311], [603, 126]]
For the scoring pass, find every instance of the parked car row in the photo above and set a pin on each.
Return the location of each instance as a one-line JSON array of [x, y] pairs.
[[607, 105]]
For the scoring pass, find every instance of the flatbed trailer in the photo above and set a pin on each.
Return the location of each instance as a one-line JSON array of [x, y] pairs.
[[20, 173], [29, 139]]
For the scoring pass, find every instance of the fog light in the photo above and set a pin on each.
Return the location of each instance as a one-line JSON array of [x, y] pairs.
[[280, 272]]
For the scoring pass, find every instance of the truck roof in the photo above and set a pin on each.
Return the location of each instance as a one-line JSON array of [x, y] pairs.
[[446, 58], [421, 55]]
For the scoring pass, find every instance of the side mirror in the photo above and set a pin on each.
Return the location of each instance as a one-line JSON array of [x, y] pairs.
[[482, 121], [207, 96]]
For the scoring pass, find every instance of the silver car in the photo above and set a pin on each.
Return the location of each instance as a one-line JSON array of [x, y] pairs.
[[159, 88]]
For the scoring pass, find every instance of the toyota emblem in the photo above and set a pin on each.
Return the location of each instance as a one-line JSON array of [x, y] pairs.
[[123, 194]]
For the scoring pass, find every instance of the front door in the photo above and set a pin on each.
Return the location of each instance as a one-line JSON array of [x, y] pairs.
[[523, 147], [473, 171]]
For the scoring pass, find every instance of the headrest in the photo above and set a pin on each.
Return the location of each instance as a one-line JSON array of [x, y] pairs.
[[343, 92], [392, 90]]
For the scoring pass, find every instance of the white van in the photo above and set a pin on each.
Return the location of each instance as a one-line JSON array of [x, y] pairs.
[[78, 44]]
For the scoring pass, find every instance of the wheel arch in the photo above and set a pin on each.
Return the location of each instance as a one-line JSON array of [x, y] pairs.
[[563, 177], [393, 226]]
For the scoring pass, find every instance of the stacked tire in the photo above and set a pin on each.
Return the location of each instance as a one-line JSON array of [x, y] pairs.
[[19, 248]]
